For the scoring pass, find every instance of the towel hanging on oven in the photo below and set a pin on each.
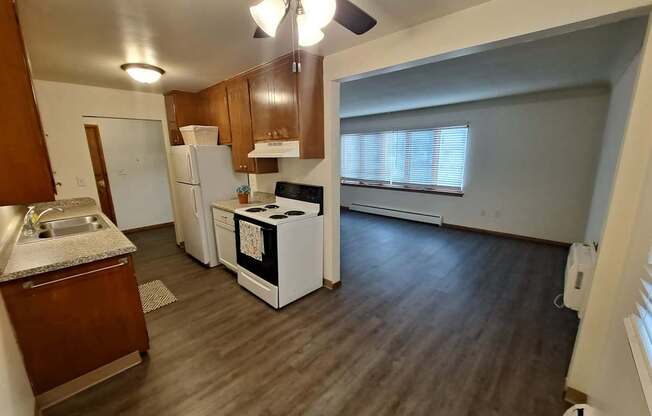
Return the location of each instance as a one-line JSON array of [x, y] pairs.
[[251, 240]]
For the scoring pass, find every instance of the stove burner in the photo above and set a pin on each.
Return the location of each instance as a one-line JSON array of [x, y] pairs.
[[294, 213], [255, 209], [271, 206], [278, 216]]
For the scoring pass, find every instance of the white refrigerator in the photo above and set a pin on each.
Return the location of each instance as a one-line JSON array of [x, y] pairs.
[[203, 174]]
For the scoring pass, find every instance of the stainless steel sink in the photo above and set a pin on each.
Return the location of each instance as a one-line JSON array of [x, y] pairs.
[[65, 227]]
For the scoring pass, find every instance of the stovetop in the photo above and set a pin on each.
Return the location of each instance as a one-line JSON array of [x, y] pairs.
[[281, 211]]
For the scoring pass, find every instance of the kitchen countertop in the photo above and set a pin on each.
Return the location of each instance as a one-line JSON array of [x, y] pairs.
[[256, 199], [58, 253]]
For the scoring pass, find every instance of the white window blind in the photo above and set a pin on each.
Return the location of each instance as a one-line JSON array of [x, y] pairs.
[[431, 159], [639, 333]]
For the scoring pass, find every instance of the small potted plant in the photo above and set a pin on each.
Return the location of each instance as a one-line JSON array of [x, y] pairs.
[[243, 194]]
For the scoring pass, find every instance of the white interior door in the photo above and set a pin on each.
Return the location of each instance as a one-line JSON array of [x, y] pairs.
[[192, 221]]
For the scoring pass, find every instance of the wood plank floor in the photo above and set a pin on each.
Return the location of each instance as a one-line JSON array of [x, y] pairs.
[[428, 321]]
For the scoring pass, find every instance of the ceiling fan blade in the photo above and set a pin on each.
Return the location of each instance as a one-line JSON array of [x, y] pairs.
[[353, 18], [260, 33]]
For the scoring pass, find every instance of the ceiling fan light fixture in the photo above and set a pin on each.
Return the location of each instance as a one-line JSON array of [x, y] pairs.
[[268, 15], [309, 33], [143, 73], [321, 12]]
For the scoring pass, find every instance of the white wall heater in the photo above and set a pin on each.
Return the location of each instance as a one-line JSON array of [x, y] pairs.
[[397, 213]]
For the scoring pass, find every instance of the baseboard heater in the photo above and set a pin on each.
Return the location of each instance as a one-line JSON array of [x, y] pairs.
[[397, 213]]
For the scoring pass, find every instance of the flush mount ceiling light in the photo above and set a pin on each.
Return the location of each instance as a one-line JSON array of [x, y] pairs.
[[143, 73], [310, 17]]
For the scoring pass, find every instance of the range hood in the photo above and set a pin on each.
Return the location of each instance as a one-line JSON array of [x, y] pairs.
[[275, 149]]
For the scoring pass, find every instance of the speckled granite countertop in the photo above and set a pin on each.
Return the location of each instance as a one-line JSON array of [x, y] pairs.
[[256, 199], [58, 253]]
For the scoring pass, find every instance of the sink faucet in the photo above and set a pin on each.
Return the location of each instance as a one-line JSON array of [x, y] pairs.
[[32, 219]]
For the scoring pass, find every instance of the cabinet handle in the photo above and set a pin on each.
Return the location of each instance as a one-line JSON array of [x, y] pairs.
[[31, 285]]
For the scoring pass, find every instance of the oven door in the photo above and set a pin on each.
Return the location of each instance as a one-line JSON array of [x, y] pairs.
[[266, 269]]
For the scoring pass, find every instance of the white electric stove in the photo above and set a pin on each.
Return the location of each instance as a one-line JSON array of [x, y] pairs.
[[290, 262]]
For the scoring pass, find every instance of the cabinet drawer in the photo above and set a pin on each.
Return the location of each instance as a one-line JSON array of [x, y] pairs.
[[264, 290], [224, 217]]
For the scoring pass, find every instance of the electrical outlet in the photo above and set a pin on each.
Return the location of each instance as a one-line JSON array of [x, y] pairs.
[[81, 182], [483, 212], [497, 213]]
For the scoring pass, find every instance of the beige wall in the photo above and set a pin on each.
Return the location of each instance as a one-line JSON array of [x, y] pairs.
[[614, 131], [63, 107], [16, 397], [489, 25], [530, 165], [599, 351]]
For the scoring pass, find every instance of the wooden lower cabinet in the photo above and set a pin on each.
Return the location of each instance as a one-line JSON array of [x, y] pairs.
[[72, 321]]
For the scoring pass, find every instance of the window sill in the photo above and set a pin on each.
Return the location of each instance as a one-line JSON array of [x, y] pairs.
[[404, 189]]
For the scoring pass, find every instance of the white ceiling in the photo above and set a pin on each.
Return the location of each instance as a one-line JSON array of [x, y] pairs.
[[198, 42], [586, 57]]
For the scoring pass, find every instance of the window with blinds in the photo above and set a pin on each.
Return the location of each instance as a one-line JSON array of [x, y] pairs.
[[426, 159], [639, 333]]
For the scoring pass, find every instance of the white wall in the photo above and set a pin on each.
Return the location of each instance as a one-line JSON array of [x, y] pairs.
[[530, 163], [434, 40], [615, 372], [614, 131], [599, 334], [63, 106], [16, 398], [136, 162]]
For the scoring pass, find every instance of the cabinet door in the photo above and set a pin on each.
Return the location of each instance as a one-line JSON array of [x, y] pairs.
[[176, 139], [274, 109], [183, 108], [75, 320], [24, 161], [240, 118], [217, 111]]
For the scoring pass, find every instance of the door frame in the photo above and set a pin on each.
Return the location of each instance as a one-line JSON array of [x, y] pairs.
[[105, 174]]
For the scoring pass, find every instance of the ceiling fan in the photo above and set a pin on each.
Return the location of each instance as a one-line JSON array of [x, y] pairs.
[[311, 17]]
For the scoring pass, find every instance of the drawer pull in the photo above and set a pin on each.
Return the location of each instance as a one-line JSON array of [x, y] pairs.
[[31, 285]]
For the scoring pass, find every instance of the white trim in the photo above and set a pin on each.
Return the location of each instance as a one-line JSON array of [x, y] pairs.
[[640, 358]]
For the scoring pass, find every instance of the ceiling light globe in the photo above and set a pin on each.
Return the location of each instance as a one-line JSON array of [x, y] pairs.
[[309, 32], [268, 15], [143, 73], [320, 11]]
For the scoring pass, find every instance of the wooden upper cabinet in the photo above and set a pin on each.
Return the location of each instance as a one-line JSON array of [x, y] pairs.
[[273, 95], [237, 92], [288, 104], [216, 110], [24, 161], [182, 109]]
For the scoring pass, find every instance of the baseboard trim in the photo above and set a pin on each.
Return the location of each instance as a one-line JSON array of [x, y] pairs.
[[491, 232], [148, 227], [74, 386], [507, 235], [573, 396], [332, 285]]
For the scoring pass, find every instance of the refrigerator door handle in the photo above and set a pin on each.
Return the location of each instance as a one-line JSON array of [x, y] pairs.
[[189, 166], [194, 202]]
